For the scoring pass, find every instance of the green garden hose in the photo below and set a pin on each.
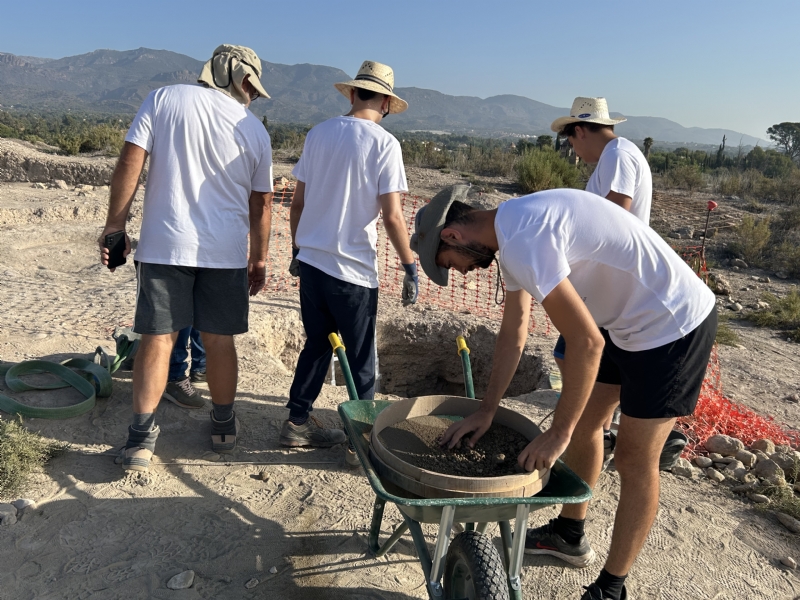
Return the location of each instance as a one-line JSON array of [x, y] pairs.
[[29, 367]]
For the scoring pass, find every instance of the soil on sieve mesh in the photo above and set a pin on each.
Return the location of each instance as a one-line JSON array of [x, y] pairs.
[[416, 441]]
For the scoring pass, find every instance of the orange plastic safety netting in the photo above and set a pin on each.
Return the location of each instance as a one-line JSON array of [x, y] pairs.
[[473, 293]]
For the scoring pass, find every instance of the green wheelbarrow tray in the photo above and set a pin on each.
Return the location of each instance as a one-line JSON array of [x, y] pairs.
[[564, 487]]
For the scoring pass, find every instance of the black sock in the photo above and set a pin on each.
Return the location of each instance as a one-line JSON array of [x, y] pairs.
[[298, 419], [222, 412], [570, 529], [143, 421], [611, 584]]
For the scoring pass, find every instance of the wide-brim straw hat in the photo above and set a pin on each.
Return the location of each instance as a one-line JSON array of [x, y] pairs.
[[587, 110], [428, 225], [376, 77]]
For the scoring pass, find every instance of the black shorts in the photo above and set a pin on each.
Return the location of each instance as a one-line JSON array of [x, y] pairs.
[[170, 298], [662, 382]]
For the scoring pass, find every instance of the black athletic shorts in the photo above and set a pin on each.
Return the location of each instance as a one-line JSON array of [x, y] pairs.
[[170, 298], [660, 382]]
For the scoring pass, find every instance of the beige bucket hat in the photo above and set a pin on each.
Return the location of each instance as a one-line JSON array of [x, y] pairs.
[[228, 67], [587, 110], [378, 78], [428, 225]]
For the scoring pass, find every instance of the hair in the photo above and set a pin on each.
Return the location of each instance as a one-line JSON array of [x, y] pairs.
[[569, 130], [459, 213], [366, 95]]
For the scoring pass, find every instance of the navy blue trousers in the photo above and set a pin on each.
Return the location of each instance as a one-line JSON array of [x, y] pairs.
[[329, 305]]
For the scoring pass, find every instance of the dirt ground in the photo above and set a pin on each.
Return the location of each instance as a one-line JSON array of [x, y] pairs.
[[100, 534]]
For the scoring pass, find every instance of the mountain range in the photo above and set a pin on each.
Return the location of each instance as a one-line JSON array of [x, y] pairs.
[[112, 81]]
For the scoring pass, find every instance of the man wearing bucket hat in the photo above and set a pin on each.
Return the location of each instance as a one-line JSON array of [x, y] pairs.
[[351, 170], [209, 185], [615, 290], [621, 174]]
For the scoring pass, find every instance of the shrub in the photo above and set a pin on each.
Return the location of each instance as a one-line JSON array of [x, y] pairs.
[[544, 169], [753, 236], [103, 138], [685, 176], [783, 313], [726, 336], [22, 453]]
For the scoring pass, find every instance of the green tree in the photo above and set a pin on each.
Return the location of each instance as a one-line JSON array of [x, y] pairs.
[[648, 143], [544, 141], [787, 137]]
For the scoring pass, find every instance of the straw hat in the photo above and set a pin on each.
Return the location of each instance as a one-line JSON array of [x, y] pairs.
[[378, 78], [428, 225], [587, 110]]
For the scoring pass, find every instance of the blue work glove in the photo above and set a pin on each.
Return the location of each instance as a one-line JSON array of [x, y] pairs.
[[294, 266], [410, 284]]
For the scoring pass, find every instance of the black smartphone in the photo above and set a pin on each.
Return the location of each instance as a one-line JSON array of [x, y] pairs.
[[115, 242]]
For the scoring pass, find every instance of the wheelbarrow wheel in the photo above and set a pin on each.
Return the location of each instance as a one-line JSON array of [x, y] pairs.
[[474, 569]]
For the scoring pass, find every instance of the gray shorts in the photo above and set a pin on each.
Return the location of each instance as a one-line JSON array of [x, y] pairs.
[[170, 298]]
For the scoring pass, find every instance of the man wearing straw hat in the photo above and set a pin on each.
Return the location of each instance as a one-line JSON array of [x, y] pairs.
[[621, 175], [351, 170], [209, 185], [615, 290]]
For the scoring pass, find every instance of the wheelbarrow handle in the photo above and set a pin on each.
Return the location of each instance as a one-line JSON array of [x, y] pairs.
[[338, 348], [463, 351]]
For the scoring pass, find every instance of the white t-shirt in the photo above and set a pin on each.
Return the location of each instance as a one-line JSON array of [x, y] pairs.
[[632, 282], [347, 163], [207, 153], [622, 168]]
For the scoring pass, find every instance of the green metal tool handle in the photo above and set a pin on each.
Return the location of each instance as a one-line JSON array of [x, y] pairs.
[[463, 351], [339, 348]]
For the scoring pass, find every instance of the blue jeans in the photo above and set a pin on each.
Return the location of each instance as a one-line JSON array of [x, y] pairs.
[[177, 360]]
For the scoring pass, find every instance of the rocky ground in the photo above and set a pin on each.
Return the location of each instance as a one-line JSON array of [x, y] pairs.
[[267, 522]]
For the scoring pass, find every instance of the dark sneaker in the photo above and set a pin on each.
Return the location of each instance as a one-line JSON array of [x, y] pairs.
[[183, 394], [310, 433], [593, 592], [544, 540], [198, 376]]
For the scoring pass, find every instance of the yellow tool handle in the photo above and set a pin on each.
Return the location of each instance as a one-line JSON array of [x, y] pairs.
[[335, 342], [461, 344]]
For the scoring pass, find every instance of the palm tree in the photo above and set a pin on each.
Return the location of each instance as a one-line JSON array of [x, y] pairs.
[[648, 143]]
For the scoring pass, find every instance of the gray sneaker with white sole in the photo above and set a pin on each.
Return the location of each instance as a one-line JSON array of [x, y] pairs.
[[183, 393]]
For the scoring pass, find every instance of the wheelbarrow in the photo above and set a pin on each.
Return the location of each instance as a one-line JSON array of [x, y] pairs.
[[470, 565]]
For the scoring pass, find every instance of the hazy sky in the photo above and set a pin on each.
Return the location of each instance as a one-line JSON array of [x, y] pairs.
[[703, 63]]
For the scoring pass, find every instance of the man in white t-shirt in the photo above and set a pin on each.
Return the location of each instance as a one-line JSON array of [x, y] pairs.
[[622, 175], [350, 172], [615, 290], [209, 185]]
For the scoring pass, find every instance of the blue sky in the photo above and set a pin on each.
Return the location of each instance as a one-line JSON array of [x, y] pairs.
[[703, 63]]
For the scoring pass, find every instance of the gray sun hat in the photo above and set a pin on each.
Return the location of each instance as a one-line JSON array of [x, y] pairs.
[[428, 225]]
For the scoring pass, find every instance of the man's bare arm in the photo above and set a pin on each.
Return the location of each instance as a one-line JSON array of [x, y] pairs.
[[507, 351], [572, 319], [296, 211], [260, 225], [395, 224], [620, 199], [124, 183]]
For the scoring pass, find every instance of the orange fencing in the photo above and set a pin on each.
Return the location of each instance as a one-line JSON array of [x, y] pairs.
[[473, 293]]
